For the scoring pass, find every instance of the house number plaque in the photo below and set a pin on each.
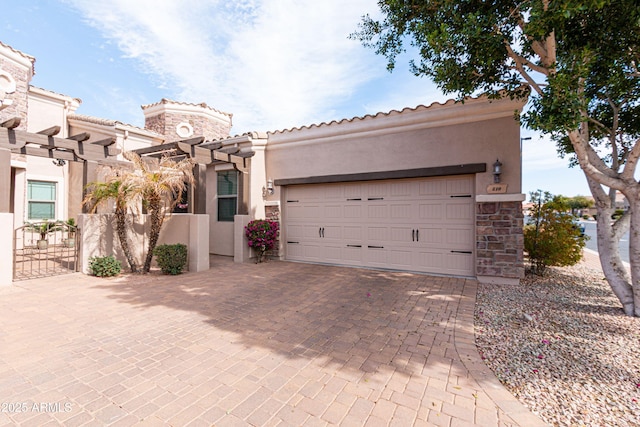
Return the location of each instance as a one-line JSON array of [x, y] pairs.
[[497, 189]]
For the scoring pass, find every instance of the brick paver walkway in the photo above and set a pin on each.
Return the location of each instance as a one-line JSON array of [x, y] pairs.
[[242, 344]]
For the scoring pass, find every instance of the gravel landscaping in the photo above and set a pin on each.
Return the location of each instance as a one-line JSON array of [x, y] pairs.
[[561, 344]]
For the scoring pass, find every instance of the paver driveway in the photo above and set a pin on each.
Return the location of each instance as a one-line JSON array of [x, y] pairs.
[[243, 344]]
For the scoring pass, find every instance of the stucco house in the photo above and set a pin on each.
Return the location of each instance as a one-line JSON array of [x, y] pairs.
[[413, 190]]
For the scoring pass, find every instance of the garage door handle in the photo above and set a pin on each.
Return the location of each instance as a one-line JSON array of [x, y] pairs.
[[464, 196], [297, 243], [350, 200], [292, 201], [323, 232], [413, 235], [354, 246], [461, 252], [375, 247], [319, 231], [375, 198]]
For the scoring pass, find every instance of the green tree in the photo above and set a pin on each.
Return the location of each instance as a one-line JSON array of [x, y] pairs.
[[553, 239], [99, 193], [577, 60], [577, 203], [159, 186]]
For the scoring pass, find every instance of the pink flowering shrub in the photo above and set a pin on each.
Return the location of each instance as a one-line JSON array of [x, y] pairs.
[[262, 235]]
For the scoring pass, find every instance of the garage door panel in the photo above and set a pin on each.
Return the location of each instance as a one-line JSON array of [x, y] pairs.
[[378, 212], [459, 186], [352, 234], [332, 232], [352, 255], [375, 257], [461, 238], [431, 212], [401, 235], [352, 210], [402, 211], [400, 259], [377, 234], [430, 236], [333, 211], [431, 188], [461, 211], [459, 263], [423, 224]]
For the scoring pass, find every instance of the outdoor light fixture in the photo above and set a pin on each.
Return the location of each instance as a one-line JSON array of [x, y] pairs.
[[59, 162], [497, 170], [268, 190]]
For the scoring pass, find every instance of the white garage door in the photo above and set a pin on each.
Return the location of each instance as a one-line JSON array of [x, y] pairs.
[[424, 224]]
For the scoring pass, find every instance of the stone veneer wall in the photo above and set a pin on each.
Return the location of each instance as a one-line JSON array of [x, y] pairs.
[[273, 213], [19, 107], [165, 124], [499, 239]]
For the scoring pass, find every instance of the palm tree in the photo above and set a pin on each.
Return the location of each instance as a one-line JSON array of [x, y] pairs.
[[160, 186], [113, 189]]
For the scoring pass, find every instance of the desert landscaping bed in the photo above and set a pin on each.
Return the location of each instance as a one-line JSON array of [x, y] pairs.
[[561, 344]]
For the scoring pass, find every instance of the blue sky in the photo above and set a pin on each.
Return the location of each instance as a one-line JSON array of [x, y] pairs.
[[274, 64]]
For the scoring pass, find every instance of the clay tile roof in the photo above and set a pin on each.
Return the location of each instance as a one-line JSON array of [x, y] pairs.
[[56, 93], [169, 101], [108, 122], [367, 117]]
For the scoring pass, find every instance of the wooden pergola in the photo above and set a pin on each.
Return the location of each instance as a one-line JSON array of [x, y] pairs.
[[205, 153], [79, 148]]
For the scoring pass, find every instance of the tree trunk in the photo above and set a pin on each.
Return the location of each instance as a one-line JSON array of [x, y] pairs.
[[156, 220], [634, 249], [121, 229], [614, 269]]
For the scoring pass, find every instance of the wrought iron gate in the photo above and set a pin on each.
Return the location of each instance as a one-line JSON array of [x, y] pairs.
[[42, 249]]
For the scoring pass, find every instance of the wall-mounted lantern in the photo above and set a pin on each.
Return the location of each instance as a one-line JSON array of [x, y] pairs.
[[497, 170], [268, 190]]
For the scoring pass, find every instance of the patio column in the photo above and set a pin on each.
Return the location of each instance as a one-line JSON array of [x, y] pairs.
[[200, 189], [6, 219], [89, 174], [5, 180]]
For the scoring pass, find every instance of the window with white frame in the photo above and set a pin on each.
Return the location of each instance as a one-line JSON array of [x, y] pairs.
[[41, 200], [227, 195]]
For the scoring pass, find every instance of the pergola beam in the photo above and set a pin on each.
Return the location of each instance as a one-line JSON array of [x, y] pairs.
[[16, 140], [12, 123], [81, 137], [52, 131]]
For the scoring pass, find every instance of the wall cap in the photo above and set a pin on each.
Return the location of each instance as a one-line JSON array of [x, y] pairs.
[[485, 198]]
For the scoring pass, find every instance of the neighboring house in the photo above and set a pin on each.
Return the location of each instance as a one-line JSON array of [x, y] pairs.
[[410, 190]]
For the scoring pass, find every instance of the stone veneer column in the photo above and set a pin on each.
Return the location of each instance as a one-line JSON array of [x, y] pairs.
[[499, 241], [272, 212]]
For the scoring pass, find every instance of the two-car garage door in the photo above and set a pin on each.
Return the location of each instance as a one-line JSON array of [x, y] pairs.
[[424, 224]]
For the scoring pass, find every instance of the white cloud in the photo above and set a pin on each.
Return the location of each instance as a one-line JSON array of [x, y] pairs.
[[273, 64]]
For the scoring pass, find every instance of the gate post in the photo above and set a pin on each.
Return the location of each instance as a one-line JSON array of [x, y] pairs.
[[6, 219]]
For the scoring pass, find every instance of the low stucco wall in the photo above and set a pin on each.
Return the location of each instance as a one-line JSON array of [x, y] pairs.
[[6, 251], [99, 238]]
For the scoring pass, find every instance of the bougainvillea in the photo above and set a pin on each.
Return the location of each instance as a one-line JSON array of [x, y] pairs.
[[262, 235]]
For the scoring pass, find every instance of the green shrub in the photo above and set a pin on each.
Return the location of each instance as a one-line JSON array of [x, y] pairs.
[[171, 258], [617, 214], [554, 239], [585, 216], [105, 266]]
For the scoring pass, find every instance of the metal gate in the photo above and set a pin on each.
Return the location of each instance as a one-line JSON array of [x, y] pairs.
[[47, 248]]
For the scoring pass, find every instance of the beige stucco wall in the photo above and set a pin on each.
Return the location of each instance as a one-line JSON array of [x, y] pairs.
[[99, 238], [477, 131]]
